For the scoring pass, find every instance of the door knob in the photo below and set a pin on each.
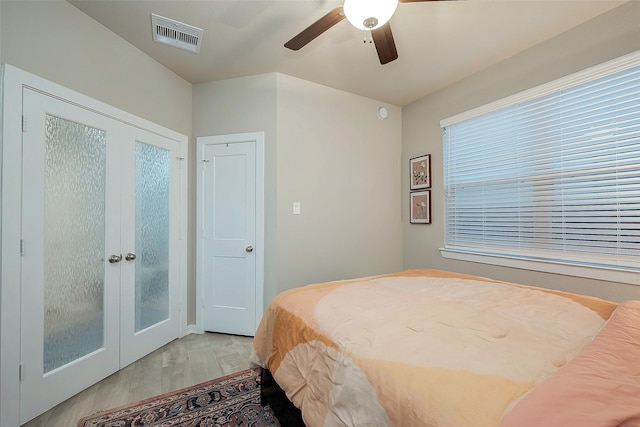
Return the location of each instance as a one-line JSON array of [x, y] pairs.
[[249, 249], [130, 256], [115, 259]]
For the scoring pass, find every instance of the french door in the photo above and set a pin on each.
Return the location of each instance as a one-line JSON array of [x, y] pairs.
[[100, 201]]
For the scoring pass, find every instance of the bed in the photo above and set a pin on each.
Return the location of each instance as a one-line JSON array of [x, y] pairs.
[[435, 348]]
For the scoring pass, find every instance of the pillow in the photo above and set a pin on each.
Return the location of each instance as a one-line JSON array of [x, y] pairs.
[[600, 387]]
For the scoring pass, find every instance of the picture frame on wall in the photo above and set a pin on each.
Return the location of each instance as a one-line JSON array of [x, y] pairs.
[[420, 169], [420, 207]]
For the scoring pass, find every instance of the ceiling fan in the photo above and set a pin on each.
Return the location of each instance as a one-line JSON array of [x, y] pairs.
[[372, 15]]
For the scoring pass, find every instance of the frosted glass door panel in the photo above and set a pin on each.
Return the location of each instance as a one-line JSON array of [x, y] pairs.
[[74, 241], [150, 231], [152, 235]]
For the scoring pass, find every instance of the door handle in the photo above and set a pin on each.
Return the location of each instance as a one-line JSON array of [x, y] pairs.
[[113, 259], [249, 249], [130, 256]]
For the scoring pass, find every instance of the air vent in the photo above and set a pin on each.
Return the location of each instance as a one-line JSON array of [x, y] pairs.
[[176, 33]]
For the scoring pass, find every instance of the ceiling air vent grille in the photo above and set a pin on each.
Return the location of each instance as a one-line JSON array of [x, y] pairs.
[[176, 33]]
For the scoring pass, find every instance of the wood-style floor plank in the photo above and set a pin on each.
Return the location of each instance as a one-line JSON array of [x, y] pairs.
[[190, 360]]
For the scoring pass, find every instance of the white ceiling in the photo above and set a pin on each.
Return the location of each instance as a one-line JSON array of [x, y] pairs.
[[438, 43]]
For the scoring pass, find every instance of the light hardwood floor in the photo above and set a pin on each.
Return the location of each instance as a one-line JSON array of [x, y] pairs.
[[183, 362]]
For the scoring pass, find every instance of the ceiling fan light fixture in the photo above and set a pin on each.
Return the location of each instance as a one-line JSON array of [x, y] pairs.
[[369, 14]]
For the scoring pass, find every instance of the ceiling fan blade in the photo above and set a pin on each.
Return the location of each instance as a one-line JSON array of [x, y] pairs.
[[385, 45], [315, 29]]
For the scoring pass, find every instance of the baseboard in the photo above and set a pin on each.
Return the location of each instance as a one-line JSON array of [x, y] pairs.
[[192, 329]]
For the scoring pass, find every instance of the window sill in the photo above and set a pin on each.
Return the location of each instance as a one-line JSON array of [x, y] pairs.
[[599, 273]]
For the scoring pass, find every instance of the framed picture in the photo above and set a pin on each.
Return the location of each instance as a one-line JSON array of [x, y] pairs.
[[420, 168], [420, 207]]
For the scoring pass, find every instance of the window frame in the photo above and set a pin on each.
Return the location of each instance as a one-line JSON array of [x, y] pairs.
[[607, 273]]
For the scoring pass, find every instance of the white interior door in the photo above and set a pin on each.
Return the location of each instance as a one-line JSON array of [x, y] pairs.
[[71, 221], [101, 261], [229, 235]]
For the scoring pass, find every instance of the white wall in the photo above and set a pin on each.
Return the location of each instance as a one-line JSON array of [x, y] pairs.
[[328, 150], [606, 37], [342, 163], [58, 42]]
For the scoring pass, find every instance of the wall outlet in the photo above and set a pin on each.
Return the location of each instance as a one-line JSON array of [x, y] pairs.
[[296, 208]]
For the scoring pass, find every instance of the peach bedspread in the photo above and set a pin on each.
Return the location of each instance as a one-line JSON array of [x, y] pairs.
[[420, 347]]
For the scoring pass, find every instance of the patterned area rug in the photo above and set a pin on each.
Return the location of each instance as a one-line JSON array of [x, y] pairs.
[[231, 401]]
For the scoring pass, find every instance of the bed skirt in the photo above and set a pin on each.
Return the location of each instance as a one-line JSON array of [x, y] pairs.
[[271, 393]]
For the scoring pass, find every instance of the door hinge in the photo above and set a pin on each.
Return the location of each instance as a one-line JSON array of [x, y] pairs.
[[24, 124], [21, 247], [20, 372]]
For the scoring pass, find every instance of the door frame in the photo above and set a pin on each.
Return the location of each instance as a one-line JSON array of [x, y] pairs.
[[201, 143], [12, 81]]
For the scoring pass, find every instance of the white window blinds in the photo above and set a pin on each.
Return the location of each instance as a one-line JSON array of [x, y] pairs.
[[555, 177]]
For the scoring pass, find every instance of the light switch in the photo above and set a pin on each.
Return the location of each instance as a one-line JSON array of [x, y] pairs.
[[296, 208]]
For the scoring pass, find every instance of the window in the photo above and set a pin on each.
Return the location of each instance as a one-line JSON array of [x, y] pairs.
[[550, 175]]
